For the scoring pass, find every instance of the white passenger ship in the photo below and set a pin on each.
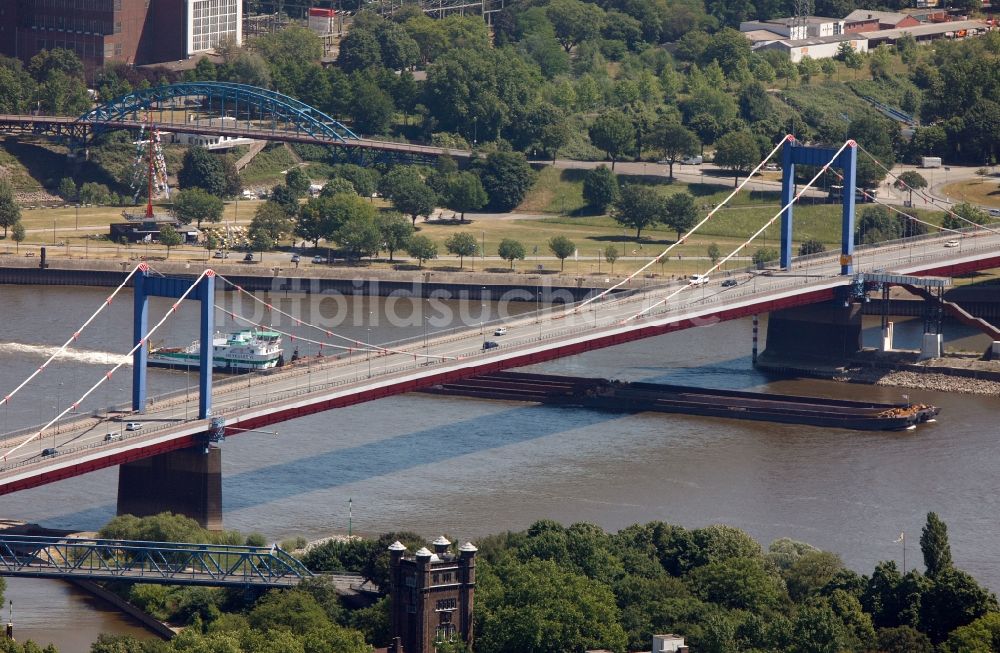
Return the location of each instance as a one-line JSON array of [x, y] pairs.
[[240, 351]]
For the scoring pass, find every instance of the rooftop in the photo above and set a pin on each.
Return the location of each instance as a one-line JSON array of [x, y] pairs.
[[859, 15], [925, 30]]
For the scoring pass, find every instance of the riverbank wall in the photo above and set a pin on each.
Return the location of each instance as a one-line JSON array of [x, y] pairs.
[[154, 626], [470, 285]]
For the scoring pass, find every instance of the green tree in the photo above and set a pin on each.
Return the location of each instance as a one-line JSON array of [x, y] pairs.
[[910, 180], [811, 246], [396, 232], [506, 178], [462, 244], [574, 21], [67, 189], [600, 188], [359, 235], [364, 180], [613, 132], [638, 207], [260, 240], [511, 250], [611, 255], [371, 107], [465, 193], [200, 169], [562, 248], [675, 141], [17, 233], [409, 194], [763, 256], [954, 599], [298, 181], [91, 193], [169, 238], [196, 205], [10, 211], [315, 219], [359, 50], [336, 186], [934, 545], [810, 574], [980, 636], [422, 248], [526, 608], [272, 219], [961, 216], [713, 253], [904, 639], [679, 212], [738, 152]]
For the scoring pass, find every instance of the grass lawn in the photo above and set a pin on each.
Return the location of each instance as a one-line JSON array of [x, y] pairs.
[[982, 191]]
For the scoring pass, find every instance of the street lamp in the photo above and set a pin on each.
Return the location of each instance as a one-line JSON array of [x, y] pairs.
[[369, 348], [482, 314], [538, 311]]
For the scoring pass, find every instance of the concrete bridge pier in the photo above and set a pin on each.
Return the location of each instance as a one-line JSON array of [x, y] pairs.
[[828, 332], [185, 482]]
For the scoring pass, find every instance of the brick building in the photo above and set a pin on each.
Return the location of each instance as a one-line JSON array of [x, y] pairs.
[[432, 595], [129, 31]]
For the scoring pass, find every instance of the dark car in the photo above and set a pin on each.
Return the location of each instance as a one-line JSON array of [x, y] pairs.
[[729, 283], [248, 258], [489, 344], [51, 451]]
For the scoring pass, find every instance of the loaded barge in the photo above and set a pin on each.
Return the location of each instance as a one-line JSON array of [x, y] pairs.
[[619, 396]]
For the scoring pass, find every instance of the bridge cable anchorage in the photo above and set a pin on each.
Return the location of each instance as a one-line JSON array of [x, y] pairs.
[[75, 336], [892, 208], [926, 197], [745, 243], [693, 229], [330, 334], [105, 376]]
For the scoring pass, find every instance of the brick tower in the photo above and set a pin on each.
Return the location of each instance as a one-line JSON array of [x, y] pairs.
[[432, 596]]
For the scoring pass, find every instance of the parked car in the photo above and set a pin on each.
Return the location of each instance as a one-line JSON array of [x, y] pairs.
[[994, 213], [698, 279], [133, 426], [951, 243], [771, 167], [500, 331], [489, 344], [729, 283], [220, 254], [248, 257], [50, 451], [692, 160], [111, 437], [295, 258], [319, 259]]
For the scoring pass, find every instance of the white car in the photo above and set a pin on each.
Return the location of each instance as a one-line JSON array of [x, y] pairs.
[[500, 331], [698, 279], [951, 243], [319, 259], [133, 426]]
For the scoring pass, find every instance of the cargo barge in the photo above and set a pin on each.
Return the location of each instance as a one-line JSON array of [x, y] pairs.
[[618, 396]]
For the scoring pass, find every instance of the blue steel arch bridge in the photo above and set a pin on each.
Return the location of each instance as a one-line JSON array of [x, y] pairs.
[[220, 109]]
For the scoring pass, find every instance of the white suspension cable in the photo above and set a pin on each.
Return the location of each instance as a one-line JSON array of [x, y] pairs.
[[787, 138], [892, 208], [364, 346], [75, 336], [722, 262], [142, 341], [321, 344], [926, 197]]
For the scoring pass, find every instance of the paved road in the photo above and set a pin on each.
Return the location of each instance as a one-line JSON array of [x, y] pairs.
[[315, 379]]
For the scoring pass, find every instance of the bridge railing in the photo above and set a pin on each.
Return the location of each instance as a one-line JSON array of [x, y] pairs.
[[162, 562]]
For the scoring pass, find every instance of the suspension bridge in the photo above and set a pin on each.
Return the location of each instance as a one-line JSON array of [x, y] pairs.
[[362, 371]]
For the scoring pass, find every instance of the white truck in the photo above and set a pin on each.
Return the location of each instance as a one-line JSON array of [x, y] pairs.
[[930, 162]]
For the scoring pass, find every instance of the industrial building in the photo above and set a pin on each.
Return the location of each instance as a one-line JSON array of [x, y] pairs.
[[129, 31]]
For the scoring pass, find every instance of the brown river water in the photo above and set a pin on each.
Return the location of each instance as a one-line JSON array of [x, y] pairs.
[[469, 468]]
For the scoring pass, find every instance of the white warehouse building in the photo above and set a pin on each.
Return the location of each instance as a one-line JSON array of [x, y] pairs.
[[822, 47]]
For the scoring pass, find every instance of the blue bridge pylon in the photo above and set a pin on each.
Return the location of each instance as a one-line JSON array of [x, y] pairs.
[[792, 153]]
